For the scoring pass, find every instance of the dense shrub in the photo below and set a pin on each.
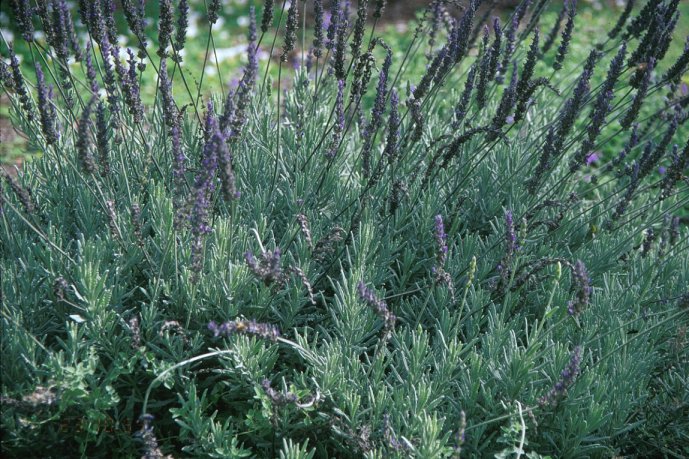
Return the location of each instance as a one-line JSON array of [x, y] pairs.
[[347, 261]]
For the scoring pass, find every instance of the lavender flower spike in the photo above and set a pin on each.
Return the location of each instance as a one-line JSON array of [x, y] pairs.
[[290, 30], [245, 327], [566, 35], [567, 378], [46, 108], [583, 289], [441, 240], [369, 297]]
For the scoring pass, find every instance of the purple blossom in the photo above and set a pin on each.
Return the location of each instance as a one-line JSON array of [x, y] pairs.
[[640, 95], [23, 194], [393, 128], [662, 170], [102, 140], [245, 327], [181, 32], [582, 287], [268, 268], [165, 27], [441, 240], [20, 88], [90, 70], [46, 108], [267, 18], [592, 158], [339, 126], [567, 378], [510, 234], [566, 35], [214, 11], [552, 35], [22, 14], [379, 306], [83, 141], [290, 30]]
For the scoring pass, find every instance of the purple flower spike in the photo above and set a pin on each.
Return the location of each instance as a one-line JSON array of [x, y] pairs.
[[591, 158], [567, 378], [441, 240], [583, 289], [379, 306]]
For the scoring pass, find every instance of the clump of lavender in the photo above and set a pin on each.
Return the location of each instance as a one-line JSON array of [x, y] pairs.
[[46, 108], [83, 142], [566, 35], [290, 30], [567, 378], [267, 268], [583, 290], [245, 327], [379, 306]]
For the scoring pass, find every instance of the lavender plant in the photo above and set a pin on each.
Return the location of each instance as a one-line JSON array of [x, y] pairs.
[[497, 254]]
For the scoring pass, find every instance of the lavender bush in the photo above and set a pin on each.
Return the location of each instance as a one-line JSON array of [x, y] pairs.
[[353, 259]]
